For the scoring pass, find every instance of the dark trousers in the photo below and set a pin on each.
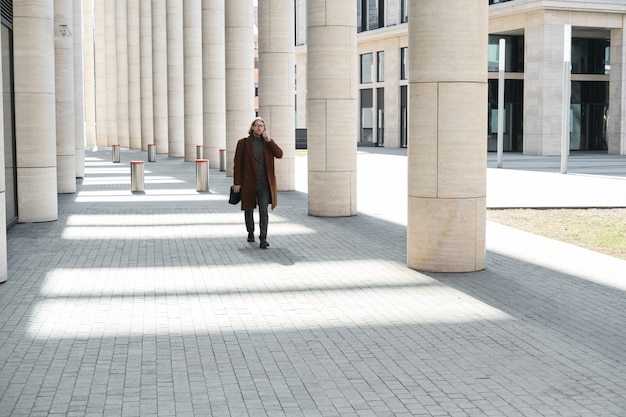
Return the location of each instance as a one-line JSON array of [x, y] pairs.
[[263, 201]]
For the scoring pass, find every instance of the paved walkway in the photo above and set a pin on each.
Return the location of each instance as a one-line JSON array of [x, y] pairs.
[[154, 304]]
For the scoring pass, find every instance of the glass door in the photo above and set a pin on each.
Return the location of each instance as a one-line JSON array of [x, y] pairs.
[[380, 119]]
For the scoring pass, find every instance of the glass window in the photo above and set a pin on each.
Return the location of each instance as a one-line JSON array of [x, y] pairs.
[[405, 11], [367, 68], [370, 14], [513, 116], [380, 74], [591, 56], [367, 116], [404, 65], [514, 54], [404, 115], [588, 115]]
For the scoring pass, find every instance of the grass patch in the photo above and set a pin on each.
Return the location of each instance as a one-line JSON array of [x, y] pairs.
[[600, 230]]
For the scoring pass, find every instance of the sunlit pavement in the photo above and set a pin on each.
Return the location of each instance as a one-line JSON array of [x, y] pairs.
[[154, 304]]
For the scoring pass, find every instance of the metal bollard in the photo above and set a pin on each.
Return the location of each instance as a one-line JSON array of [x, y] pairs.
[[198, 151], [151, 152], [136, 177], [202, 175], [116, 153], [222, 159]]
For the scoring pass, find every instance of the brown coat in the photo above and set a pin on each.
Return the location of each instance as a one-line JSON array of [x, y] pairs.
[[246, 175]]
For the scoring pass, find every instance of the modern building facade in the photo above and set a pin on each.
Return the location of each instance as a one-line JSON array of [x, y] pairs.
[[534, 31]]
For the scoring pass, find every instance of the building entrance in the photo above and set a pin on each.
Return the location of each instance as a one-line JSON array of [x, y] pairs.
[[588, 115]]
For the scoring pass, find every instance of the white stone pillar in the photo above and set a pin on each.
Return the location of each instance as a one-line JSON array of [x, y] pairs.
[[300, 62], [89, 69], [159, 75], [121, 36], [543, 91], [35, 125], [616, 129], [392, 95], [146, 85], [192, 29], [175, 79], [332, 107], [301, 93], [277, 82], [100, 73], [64, 96], [447, 155], [134, 76], [79, 90], [111, 72], [214, 80], [239, 74]]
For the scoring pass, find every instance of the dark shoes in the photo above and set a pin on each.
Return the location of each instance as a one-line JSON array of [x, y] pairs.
[[263, 245]]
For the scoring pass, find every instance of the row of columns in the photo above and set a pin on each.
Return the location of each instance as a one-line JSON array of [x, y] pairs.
[[173, 74], [159, 75], [178, 105], [156, 72]]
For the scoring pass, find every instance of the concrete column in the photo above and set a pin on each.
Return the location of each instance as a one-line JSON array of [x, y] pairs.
[[301, 95], [121, 36], [134, 76], [175, 79], [300, 62], [447, 156], [392, 95], [192, 29], [214, 80], [300, 22], [277, 82], [332, 107], [79, 91], [239, 74], [543, 91], [35, 125], [64, 96], [146, 85], [159, 75], [89, 94], [100, 75], [616, 129], [111, 72]]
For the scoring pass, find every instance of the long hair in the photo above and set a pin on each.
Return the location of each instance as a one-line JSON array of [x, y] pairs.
[[256, 119]]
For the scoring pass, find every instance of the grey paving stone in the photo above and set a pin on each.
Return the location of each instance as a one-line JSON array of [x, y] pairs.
[[155, 305]]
